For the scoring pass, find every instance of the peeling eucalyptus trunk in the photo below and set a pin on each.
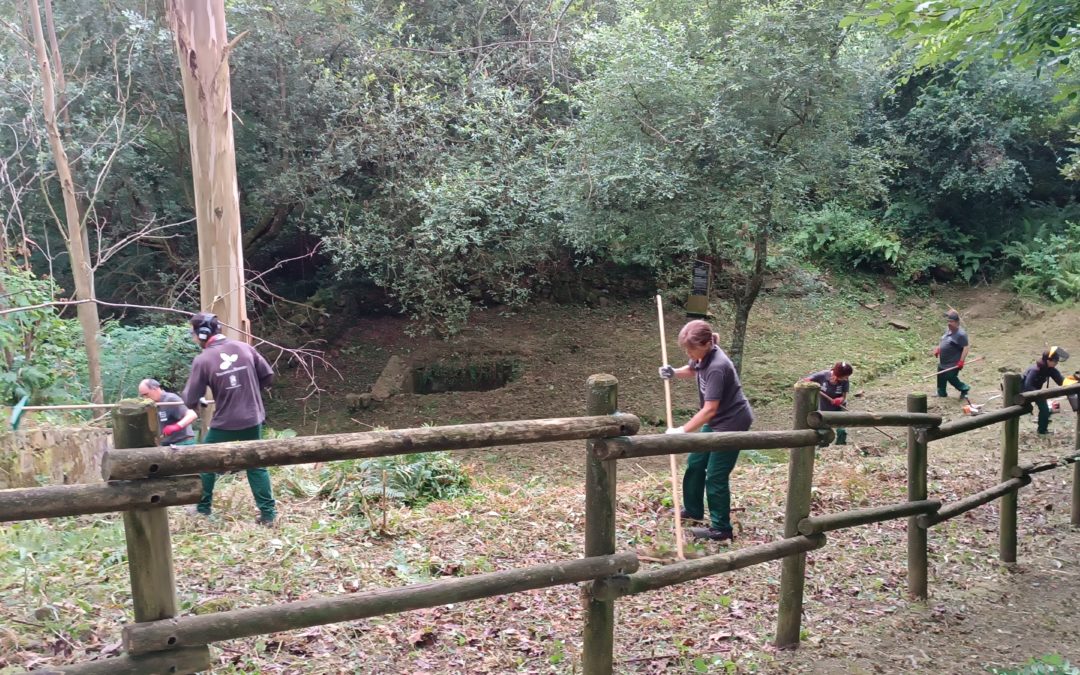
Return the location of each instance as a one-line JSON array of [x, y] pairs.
[[203, 48], [78, 245]]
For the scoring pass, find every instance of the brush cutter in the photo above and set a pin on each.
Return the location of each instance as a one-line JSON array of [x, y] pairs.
[[977, 408], [946, 370]]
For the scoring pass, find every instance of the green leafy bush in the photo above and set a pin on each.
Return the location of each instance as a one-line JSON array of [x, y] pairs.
[[412, 480], [38, 349], [1048, 265], [132, 353], [844, 239]]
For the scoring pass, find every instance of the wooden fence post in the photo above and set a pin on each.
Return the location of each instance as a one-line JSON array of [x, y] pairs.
[[1076, 473], [916, 491], [149, 549], [800, 480], [598, 652], [1010, 458]]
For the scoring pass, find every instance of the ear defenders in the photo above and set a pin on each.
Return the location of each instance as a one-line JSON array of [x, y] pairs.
[[204, 325]]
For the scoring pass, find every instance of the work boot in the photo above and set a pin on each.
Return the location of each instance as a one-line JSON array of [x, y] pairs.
[[712, 534], [266, 522], [685, 515]]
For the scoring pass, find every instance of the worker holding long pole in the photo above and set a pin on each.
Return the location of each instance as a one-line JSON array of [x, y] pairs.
[[723, 408]]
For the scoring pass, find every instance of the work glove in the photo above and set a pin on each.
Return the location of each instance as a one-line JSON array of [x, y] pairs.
[[960, 364], [937, 351], [666, 372], [675, 430], [170, 429], [838, 401]]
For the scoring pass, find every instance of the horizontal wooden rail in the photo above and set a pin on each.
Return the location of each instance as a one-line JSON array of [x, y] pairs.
[[688, 570], [179, 661], [220, 457], [976, 422], [1039, 467], [55, 501], [876, 514], [675, 444], [1052, 392], [820, 418], [968, 503], [189, 631]]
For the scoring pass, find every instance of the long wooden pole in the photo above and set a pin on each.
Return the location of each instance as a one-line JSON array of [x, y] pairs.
[[874, 514], [977, 422], [918, 558], [1051, 392], [152, 462], [679, 551], [800, 482], [598, 653], [202, 629], [832, 418], [626, 447], [55, 501], [976, 500], [1010, 456], [688, 570]]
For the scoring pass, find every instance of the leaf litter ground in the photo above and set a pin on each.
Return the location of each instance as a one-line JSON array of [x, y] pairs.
[[64, 591]]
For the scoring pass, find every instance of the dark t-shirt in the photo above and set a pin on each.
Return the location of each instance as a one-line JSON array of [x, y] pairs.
[[829, 388], [171, 414], [235, 373], [718, 381], [1036, 376], [952, 346]]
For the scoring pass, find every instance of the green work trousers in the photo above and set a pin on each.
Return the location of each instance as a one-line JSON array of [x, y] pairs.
[[1044, 416], [258, 479], [841, 437], [707, 476], [952, 377]]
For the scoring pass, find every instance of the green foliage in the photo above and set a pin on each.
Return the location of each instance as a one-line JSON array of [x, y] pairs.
[[132, 353], [845, 239], [36, 345], [1048, 265], [356, 486], [1050, 664]]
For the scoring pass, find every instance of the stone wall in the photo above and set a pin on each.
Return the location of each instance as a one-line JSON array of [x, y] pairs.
[[52, 456]]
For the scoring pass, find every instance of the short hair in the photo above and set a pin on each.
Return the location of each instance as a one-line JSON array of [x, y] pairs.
[[150, 383], [842, 369]]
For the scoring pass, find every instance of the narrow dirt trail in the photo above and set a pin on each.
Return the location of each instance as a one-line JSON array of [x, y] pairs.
[[980, 614]]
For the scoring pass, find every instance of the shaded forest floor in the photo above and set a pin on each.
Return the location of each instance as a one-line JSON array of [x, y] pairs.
[[64, 587]]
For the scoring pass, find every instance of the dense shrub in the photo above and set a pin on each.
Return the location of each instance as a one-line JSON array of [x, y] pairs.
[[1048, 265]]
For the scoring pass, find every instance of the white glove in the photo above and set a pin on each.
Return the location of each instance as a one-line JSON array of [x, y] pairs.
[[203, 402], [675, 430], [666, 372]]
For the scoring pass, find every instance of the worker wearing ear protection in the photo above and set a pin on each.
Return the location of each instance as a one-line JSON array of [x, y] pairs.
[[236, 375], [1044, 369]]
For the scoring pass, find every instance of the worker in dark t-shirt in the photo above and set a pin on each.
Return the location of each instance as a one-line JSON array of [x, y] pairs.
[[952, 351], [1037, 375], [834, 388], [174, 421], [236, 375], [723, 408]]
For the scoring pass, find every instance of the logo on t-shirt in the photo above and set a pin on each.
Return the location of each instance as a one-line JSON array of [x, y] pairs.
[[227, 360]]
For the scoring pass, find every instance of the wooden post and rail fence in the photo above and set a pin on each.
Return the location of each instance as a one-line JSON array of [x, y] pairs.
[[142, 479]]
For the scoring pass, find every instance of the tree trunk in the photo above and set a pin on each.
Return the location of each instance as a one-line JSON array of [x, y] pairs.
[[744, 301], [203, 49], [77, 243]]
